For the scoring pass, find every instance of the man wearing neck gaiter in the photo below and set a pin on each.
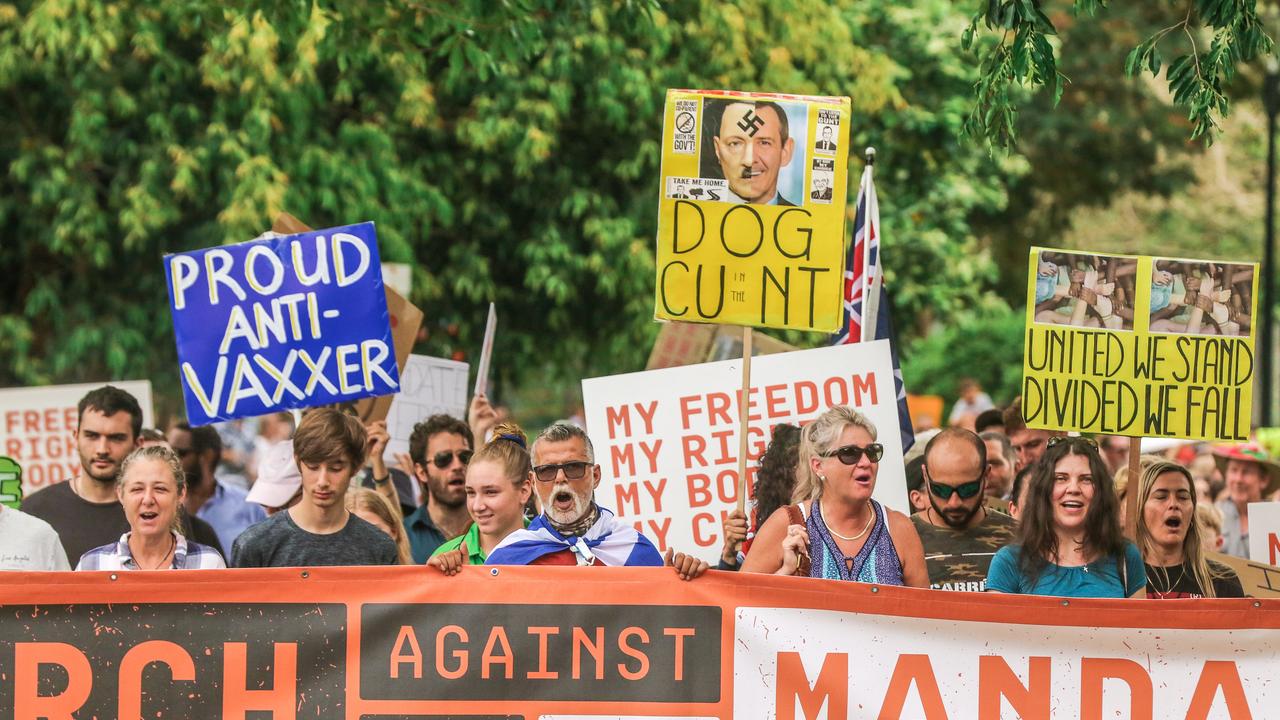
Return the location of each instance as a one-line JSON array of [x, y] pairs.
[[573, 529]]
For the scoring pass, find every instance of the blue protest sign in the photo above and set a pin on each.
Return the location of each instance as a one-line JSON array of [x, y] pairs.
[[280, 323]]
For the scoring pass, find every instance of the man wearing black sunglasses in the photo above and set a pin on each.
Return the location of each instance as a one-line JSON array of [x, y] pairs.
[[960, 535], [440, 448]]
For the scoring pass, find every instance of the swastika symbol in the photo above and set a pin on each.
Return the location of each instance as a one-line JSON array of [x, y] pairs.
[[751, 123]]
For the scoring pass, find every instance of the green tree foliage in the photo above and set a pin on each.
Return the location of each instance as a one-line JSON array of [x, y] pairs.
[[985, 345], [508, 150], [1205, 40], [1110, 136]]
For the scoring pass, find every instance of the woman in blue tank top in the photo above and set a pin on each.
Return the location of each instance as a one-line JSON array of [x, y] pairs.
[[835, 530]]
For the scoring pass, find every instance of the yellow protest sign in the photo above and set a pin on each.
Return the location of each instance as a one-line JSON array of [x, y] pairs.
[[751, 216], [1139, 346]]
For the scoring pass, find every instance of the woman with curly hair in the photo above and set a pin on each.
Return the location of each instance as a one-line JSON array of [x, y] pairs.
[[775, 480]]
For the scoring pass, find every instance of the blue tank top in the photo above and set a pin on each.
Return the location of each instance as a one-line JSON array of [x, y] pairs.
[[877, 561]]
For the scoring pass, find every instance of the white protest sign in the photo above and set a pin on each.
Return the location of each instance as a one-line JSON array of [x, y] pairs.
[[38, 425], [427, 386], [667, 440], [1264, 532]]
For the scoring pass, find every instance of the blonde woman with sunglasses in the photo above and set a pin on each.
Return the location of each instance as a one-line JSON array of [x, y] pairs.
[[835, 530]]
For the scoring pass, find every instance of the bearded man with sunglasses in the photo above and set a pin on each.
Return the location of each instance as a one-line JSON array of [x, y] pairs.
[[960, 535], [573, 529], [440, 448]]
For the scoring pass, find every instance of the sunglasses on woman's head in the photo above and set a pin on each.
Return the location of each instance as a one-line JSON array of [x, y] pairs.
[[1059, 439], [851, 454], [444, 458]]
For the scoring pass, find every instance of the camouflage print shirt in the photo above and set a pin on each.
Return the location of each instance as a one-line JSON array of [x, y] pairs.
[[959, 559]]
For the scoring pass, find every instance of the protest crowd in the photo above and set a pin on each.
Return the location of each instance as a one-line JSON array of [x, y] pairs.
[[998, 506]]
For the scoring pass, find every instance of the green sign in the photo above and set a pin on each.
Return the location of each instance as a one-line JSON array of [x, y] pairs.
[[10, 483]]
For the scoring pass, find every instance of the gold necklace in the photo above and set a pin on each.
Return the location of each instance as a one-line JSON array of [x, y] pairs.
[[1170, 585], [865, 528]]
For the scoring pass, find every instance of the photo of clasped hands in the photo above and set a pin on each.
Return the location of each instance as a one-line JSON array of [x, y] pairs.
[[1201, 298], [1186, 297]]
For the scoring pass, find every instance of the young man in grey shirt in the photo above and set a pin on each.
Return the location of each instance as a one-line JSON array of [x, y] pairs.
[[329, 447]]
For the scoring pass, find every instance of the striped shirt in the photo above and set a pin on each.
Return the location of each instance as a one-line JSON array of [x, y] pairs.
[[117, 556]]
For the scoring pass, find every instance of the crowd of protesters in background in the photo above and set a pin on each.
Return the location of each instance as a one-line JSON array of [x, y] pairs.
[[995, 506]]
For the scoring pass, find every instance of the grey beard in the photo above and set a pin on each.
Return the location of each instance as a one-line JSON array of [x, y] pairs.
[[578, 527]]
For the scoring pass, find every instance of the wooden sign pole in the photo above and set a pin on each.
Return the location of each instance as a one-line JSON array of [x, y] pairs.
[[1132, 490], [743, 412]]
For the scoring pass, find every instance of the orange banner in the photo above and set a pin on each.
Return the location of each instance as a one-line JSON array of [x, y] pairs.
[[547, 643]]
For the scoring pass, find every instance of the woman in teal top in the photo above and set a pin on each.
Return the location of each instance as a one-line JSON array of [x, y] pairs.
[[499, 482], [1069, 540]]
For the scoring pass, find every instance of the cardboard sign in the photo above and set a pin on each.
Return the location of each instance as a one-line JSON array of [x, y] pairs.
[[10, 483], [667, 440], [681, 343], [751, 212], [350, 643], [1139, 346], [1260, 580], [280, 323], [427, 386], [1264, 532], [38, 428]]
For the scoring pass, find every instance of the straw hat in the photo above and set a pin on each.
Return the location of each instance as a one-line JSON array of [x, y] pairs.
[[1249, 452]]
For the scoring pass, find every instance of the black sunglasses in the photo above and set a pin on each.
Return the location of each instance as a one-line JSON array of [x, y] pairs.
[[444, 458], [575, 470], [965, 491], [851, 454]]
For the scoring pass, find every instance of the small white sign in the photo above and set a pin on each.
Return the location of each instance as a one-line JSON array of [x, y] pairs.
[[38, 427], [428, 386], [1264, 532]]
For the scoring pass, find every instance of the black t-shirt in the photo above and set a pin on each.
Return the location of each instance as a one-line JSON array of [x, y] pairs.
[[1179, 582], [82, 525], [279, 542]]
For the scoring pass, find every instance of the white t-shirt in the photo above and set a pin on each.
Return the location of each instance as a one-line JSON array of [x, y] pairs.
[[29, 543]]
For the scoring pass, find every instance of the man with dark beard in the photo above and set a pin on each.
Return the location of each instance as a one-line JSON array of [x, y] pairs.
[[573, 529], [960, 535], [440, 448]]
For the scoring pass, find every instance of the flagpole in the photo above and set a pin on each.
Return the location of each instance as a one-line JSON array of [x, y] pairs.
[[870, 298]]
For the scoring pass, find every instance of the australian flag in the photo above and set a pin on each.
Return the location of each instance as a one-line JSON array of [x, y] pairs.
[[866, 303]]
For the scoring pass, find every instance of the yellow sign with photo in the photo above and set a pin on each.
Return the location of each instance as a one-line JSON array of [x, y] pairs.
[[1139, 346], [751, 215]]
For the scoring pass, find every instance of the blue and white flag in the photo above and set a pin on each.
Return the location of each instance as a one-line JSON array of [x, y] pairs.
[[614, 542]]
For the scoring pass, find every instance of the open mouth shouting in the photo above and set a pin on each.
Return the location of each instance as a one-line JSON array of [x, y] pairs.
[[1172, 528], [563, 501]]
